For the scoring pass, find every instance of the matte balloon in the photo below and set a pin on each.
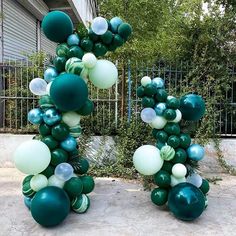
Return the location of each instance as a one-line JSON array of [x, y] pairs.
[[195, 152], [73, 187], [179, 170], [55, 181], [64, 171], [147, 160], [125, 30], [38, 86], [32, 157], [89, 60], [69, 144], [146, 80], [160, 108], [38, 182], [194, 179], [205, 187], [115, 23], [104, 74], [50, 74], [50, 206], [158, 122], [186, 201], [147, 115], [158, 82], [175, 181], [71, 118], [35, 116], [150, 90], [99, 25], [73, 39], [107, 37], [88, 184], [51, 116]]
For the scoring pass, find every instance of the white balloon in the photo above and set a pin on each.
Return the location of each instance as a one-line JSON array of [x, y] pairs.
[[89, 60], [54, 181], [195, 179], [158, 122], [179, 171], [48, 88], [145, 81], [174, 181], [148, 114], [71, 118], [178, 116], [38, 86], [38, 182], [147, 160], [99, 25]]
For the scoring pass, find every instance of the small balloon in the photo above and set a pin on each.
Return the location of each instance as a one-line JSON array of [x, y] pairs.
[[115, 23], [55, 181], [178, 116], [145, 81], [73, 40], [51, 116], [69, 144], [158, 82], [50, 74], [195, 152], [89, 60], [38, 86], [160, 108], [64, 171], [35, 116], [194, 179], [38, 182], [179, 170], [27, 201], [158, 122], [99, 25], [176, 181], [147, 115], [71, 118]]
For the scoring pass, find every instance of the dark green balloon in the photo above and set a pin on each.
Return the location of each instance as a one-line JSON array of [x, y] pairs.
[[159, 196], [148, 102], [57, 26], [73, 187], [150, 90], [74, 153], [107, 37], [161, 136], [94, 37], [44, 129], [186, 201], [162, 179], [86, 109], [161, 95], [154, 132], [49, 171], [169, 114], [167, 166], [173, 103], [88, 184], [125, 30], [140, 91], [50, 206], [118, 41], [58, 156], [172, 128], [27, 190], [173, 141], [80, 165], [75, 51], [69, 92], [205, 187], [185, 140], [111, 47], [46, 102], [86, 44], [60, 132], [160, 145], [59, 63], [192, 107], [50, 142], [180, 156], [99, 49], [27, 179]]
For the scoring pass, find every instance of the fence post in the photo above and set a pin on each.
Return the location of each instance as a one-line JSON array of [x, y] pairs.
[[129, 92], [123, 91]]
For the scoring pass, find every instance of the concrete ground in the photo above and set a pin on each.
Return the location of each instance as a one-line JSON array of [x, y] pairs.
[[119, 207]]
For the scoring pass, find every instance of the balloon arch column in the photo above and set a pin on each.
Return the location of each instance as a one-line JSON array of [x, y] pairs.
[[170, 161], [57, 179]]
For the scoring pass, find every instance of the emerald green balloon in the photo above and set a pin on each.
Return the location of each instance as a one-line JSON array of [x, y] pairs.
[[169, 114], [74, 153], [49, 171], [69, 92], [140, 91], [59, 63], [162, 179], [159, 196], [57, 26], [80, 204], [125, 30], [160, 145], [62, 50], [180, 156], [185, 140], [205, 187], [86, 44], [86, 109], [148, 102], [50, 142], [173, 103], [80, 165], [172, 128], [88, 184], [60, 132], [46, 102], [118, 41], [73, 187], [167, 166], [92, 36], [186, 201], [150, 90], [111, 47], [173, 141], [44, 129], [107, 37], [50, 206], [99, 49], [58, 156], [75, 51], [161, 136], [161, 95]]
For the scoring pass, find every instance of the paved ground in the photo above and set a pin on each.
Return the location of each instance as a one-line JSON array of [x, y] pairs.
[[118, 208]]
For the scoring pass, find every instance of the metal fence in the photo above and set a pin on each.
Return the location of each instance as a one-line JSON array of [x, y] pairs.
[[111, 106]]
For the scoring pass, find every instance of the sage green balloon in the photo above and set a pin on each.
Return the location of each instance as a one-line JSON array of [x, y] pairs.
[[104, 74], [32, 157]]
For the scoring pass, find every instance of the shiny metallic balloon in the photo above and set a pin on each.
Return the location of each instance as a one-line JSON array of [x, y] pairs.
[[195, 152], [115, 23], [50, 74], [35, 116], [73, 40], [51, 116], [69, 144], [160, 108], [158, 82], [64, 171]]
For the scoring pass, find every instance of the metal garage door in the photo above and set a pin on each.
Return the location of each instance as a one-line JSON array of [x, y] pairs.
[[47, 46]]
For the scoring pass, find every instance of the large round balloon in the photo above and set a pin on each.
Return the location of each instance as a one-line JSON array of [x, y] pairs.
[[50, 206], [186, 201], [32, 157], [147, 160], [69, 92], [192, 107], [57, 26], [104, 74]]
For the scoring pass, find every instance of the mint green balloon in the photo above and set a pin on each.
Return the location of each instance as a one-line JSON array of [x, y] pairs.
[[38, 182], [104, 74], [32, 157], [71, 118]]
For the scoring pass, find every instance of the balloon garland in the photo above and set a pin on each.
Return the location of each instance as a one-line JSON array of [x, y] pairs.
[[57, 180], [171, 160]]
